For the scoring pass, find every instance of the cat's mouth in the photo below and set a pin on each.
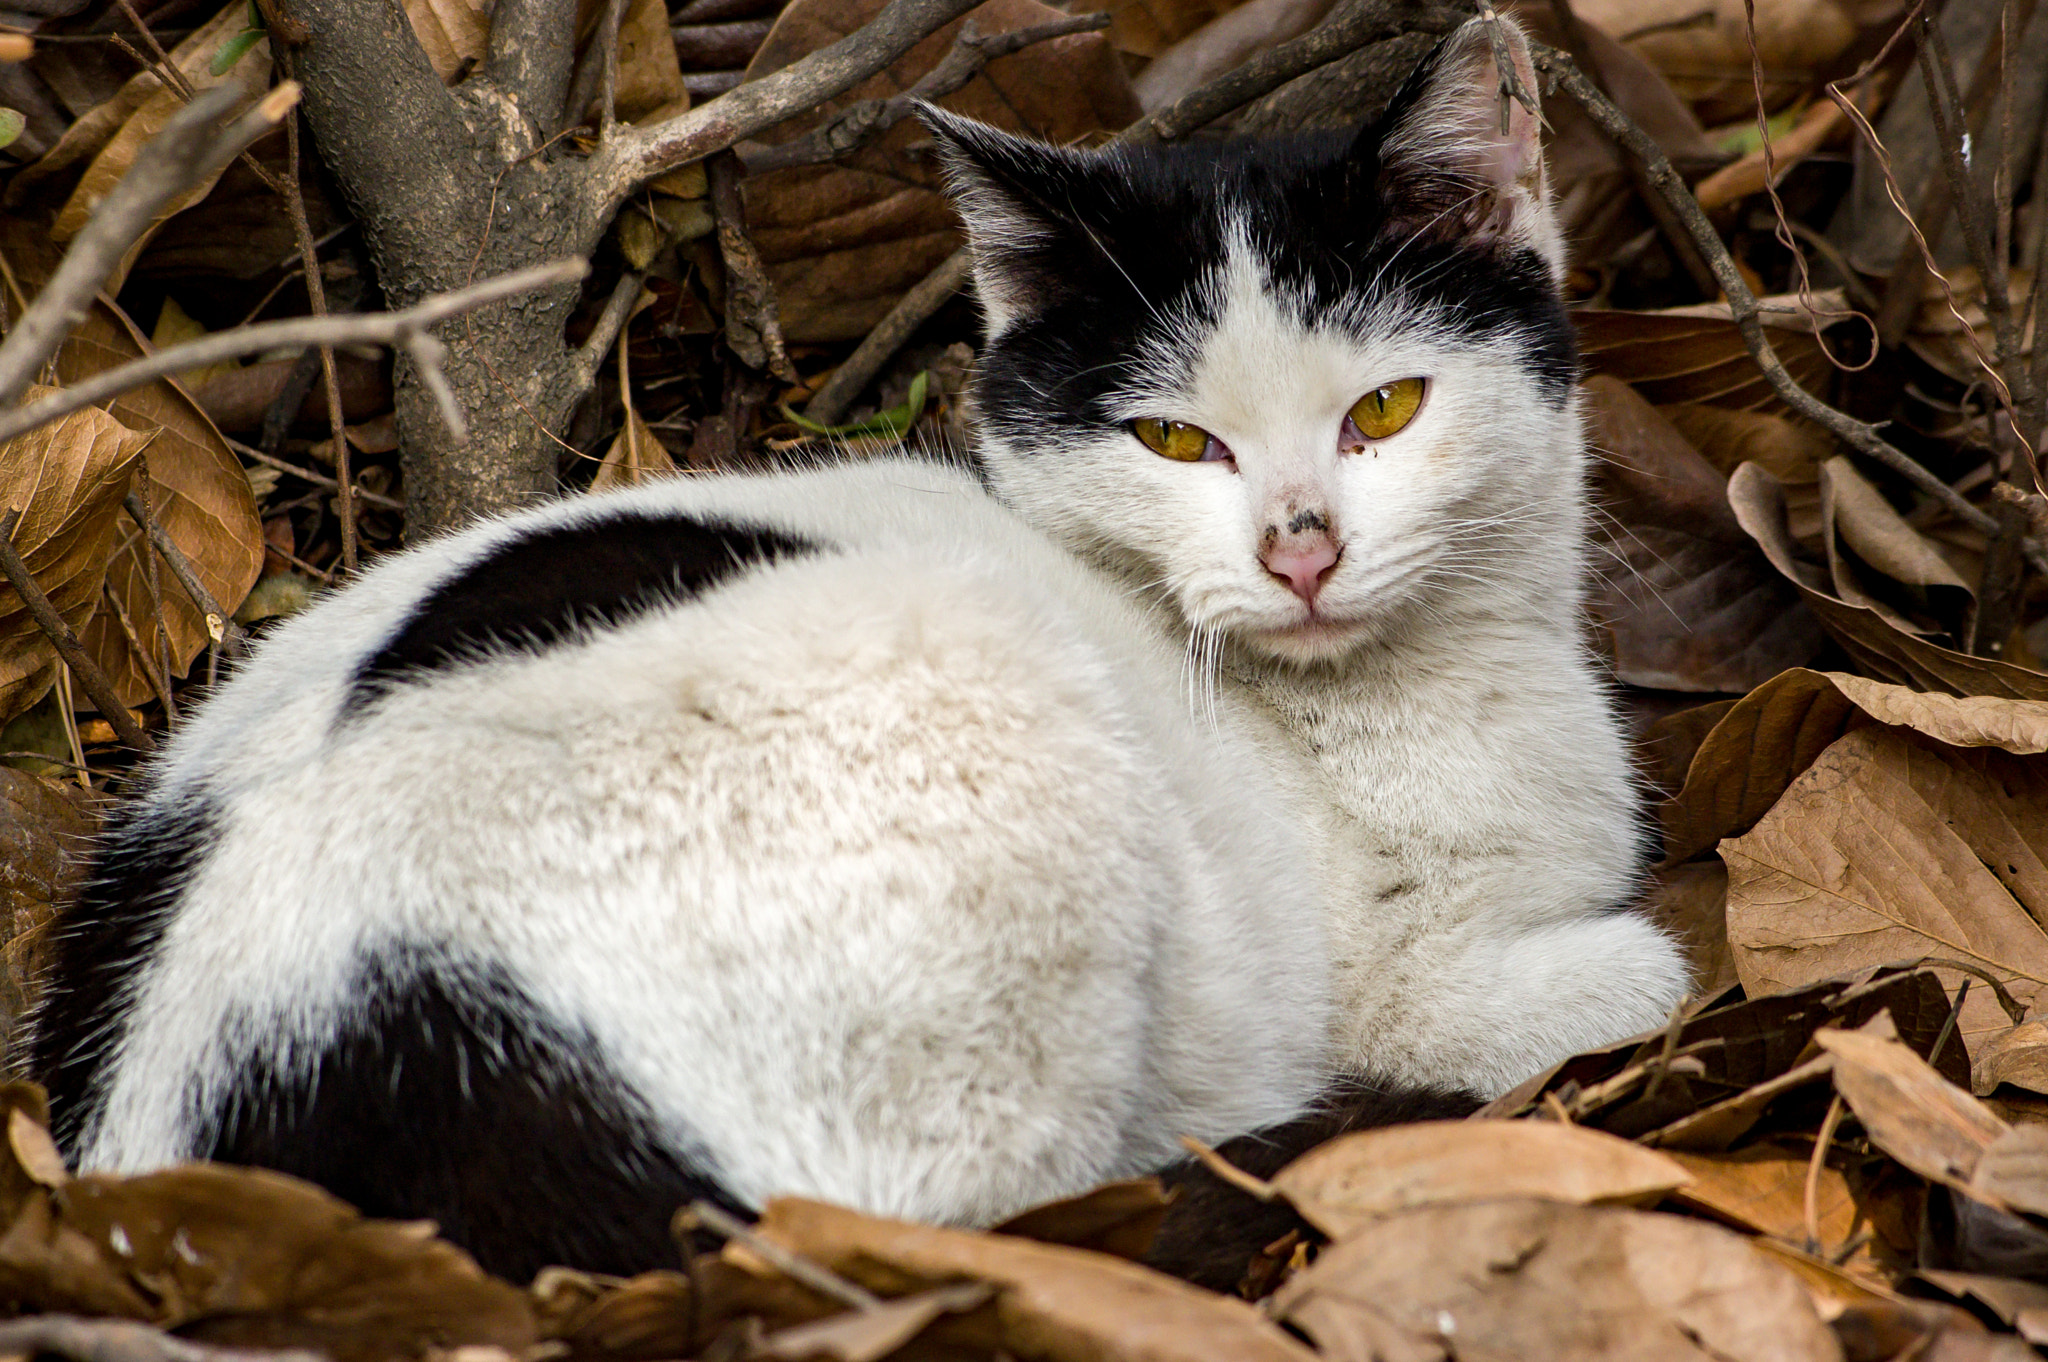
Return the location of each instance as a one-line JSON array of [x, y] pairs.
[[1315, 637]]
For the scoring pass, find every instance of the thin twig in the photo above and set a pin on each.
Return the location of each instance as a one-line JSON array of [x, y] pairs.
[[1742, 303], [191, 147], [1223, 1170], [156, 680], [407, 328], [861, 123], [316, 296], [801, 1270], [68, 647], [220, 625], [318, 479], [912, 310], [1811, 1202]]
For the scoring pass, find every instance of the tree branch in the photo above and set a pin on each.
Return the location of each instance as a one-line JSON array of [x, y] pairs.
[[407, 329], [191, 147], [1742, 303], [75, 657], [532, 58], [861, 123], [639, 154], [1338, 36]]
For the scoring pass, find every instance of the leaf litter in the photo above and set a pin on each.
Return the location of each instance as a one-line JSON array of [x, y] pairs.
[[1837, 1149]]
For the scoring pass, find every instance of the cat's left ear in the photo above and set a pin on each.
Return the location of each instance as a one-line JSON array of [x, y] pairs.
[[1459, 156]]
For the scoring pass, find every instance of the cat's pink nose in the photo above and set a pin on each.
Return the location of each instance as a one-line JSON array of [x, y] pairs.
[[1303, 562]]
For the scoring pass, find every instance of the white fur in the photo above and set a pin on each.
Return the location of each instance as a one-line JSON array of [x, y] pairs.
[[1450, 743], [897, 875]]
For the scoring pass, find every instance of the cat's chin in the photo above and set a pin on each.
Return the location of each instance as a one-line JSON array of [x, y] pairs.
[[1310, 641]]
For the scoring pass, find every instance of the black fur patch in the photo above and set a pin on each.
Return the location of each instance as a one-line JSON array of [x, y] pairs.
[[147, 853], [1125, 239], [454, 1098], [539, 590], [1213, 1230]]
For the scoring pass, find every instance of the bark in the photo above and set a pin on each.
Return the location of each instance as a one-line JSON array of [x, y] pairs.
[[447, 192]]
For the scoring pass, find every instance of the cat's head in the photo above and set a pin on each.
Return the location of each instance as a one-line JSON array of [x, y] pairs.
[[1307, 388]]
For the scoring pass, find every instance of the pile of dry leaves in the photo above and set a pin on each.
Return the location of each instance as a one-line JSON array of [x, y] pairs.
[[1824, 591]]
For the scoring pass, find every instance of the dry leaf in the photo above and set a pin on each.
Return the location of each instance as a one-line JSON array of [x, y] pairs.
[[1709, 63], [1679, 356], [2013, 1170], [1221, 45], [1362, 1177], [1691, 903], [1063, 1304], [67, 479], [453, 33], [1763, 1188], [637, 456], [868, 1335], [2024, 1305], [1689, 603], [1864, 634], [1146, 28], [192, 57], [45, 831], [1538, 1279], [842, 242], [1889, 847], [1908, 1110], [1118, 1217], [2018, 1056], [1880, 562]]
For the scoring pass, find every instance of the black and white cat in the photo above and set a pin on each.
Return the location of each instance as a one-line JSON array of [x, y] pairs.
[[860, 834]]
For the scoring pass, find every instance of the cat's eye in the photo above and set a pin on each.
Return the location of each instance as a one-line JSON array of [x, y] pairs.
[[1178, 440], [1388, 408]]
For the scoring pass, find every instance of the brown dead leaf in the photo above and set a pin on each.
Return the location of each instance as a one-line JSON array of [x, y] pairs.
[[1708, 63], [1767, 738], [1908, 1110], [67, 479], [636, 456], [45, 827], [2013, 1170], [1880, 562], [193, 57], [453, 33], [842, 242], [2018, 1056], [1788, 450], [1763, 1188], [869, 1335], [1056, 1303], [2024, 1305], [1146, 28], [250, 1258], [1120, 1218], [198, 493], [1222, 44], [1679, 356], [1877, 647], [1689, 603], [1745, 762], [1528, 1279], [1356, 1179], [1891, 846]]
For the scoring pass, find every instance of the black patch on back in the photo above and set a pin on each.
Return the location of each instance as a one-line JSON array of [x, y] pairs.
[[453, 1097], [148, 852], [541, 590], [1213, 1230]]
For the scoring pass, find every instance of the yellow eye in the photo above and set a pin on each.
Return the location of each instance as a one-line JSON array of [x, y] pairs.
[[1388, 408], [1172, 439]]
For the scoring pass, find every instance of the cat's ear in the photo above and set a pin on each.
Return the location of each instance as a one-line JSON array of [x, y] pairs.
[[1456, 154], [1005, 188]]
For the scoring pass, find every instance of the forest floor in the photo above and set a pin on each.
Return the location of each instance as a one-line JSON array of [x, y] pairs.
[[1806, 290]]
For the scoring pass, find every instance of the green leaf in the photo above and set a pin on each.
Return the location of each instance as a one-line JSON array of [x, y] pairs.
[[11, 125], [895, 422], [233, 50]]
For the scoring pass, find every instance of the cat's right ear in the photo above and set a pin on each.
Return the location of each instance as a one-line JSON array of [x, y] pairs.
[[1006, 189]]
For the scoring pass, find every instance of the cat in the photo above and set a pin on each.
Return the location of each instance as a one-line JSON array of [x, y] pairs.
[[930, 839]]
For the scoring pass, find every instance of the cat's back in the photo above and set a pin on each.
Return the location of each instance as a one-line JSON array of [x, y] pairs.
[[825, 831]]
